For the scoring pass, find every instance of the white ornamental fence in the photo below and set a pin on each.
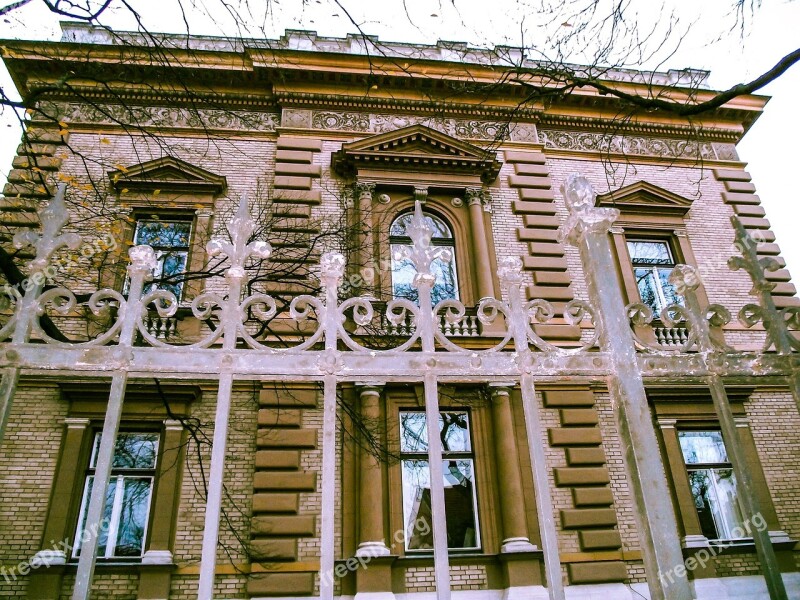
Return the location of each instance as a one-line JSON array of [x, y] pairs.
[[429, 354]]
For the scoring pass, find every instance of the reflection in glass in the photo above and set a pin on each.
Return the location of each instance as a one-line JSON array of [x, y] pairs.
[[170, 240], [459, 483], [713, 484], [445, 286], [123, 529], [652, 263]]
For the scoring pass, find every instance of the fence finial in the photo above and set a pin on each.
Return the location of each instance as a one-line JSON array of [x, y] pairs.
[[584, 216], [238, 250], [53, 218]]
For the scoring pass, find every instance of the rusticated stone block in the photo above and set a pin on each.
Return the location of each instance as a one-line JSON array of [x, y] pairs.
[[600, 539], [286, 396], [581, 475], [597, 572], [292, 183], [517, 156], [574, 436], [267, 550], [297, 525], [592, 496], [281, 584], [279, 417], [578, 416], [585, 456], [276, 503], [281, 480], [278, 459], [299, 143], [578, 518], [287, 438], [557, 398]]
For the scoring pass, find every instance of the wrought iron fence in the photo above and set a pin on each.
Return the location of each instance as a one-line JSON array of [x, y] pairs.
[[138, 340]]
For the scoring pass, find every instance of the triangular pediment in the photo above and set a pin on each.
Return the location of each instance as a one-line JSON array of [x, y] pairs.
[[416, 147], [167, 174], [644, 197]]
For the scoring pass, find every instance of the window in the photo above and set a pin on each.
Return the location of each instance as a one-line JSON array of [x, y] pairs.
[[712, 483], [403, 271], [127, 497], [170, 239], [652, 263], [459, 481]]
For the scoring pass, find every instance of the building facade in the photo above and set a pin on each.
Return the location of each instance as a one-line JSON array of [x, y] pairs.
[[356, 147]]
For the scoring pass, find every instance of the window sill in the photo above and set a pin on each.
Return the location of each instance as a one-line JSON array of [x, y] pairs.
[[463, 558]]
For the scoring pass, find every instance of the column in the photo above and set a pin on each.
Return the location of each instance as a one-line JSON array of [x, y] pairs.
[[370, 492], [480, 245], [365, 239], [512, 501]]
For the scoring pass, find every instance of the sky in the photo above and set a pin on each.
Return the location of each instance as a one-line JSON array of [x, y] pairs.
[[702, 35]]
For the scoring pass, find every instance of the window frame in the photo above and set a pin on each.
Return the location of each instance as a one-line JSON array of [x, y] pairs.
[[447, 456], [675, 258], [712, 467], [166, 217], [120, 474], [439, 242]]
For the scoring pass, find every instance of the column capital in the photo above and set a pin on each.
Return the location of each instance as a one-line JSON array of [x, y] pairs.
[[364, 188], [500, 388], [173, 425], [369, 388], [667, 423], [421, 193], [584, 217], [76, 423], [204, 213]]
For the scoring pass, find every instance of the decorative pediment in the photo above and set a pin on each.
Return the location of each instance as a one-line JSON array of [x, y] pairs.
[[167, 174], [645, 198], [416, 148]]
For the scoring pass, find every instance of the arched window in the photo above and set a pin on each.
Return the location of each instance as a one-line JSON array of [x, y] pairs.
[[403, 271]]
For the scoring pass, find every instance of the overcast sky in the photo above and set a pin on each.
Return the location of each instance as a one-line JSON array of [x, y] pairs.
[[711, 41]]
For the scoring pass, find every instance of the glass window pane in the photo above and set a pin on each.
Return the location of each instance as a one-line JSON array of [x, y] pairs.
[[646, 282], [444, 288], [440, 229], [649, 252], [460, 504], [669, 291], [702, 491], [131, 451], [163, 234], [702, 447], [133, 516], [726, 508], [104, 525], [453, 429]]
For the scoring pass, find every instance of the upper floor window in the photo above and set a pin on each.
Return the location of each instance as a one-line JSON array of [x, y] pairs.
[[124, 525], [461, 508], [403, 271], [170, 238], [712, 483], [652, 262]]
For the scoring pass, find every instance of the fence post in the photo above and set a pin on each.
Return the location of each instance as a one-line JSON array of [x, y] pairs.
[[587, 228], [686, 281], [238, 250], [510, 273], [143, 261]]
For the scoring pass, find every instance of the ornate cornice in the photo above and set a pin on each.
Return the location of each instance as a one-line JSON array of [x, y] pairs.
[[619, 126]]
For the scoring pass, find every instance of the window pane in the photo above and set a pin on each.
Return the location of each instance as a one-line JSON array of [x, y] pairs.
[[104, 524], [649, 253], [726, 508], [131, 451], [702, 447], [133, 516], [460, 504], [453, 429], [669, 291], [163, 234], [403, 271], [646, 282], [702, 491], [440, 229]]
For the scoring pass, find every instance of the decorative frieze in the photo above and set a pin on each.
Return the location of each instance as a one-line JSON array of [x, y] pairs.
[[162, 116], [592, 141], [362, 122]]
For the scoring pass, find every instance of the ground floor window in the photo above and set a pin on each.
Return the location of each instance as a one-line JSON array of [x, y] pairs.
[[128, 495], [713, 484], [461, 507]]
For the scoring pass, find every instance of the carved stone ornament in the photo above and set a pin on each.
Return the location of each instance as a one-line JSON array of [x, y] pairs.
[[585, 141], [163, 116]]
